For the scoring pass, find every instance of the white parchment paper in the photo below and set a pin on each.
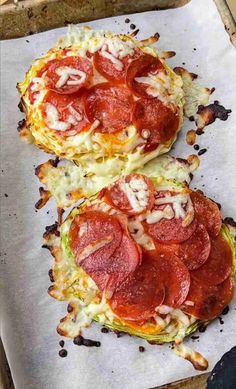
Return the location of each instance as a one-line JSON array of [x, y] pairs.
[[28, 315]]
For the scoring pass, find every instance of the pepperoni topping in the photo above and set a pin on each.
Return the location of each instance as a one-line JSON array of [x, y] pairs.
[[111, 105], [208, 301], [68, 75], [155, 122], [173, 274], [64, 113], [111, 67], [219, 264], [172, 226], [161, 278], [123, 261], [140, 294], [94, 237], [141, 75], [132, 194], [207, 213], [195, 251]]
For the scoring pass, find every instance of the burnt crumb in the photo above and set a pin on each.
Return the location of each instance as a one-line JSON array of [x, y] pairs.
[[50, 288], [30, 13], [80, 341], [55, 162], [31, 32], [47, 212], [127, 20], [35, 210], [183, 63], [199, 131], [45, 246], [141, 349], [53, 229], [225, 310], [194, 49], [21, 124], [119, 334], [132, 26], [202, 328], [63, 353], [191, 118], [202, 151], [104, 330], [191, 176], [230, 221], [69, 308], [211, 112], [135, 32], [221, 320], [196, 147], [182, 160], [112, 371], [20, 105], [50, 274], [194, 337], [6, 195], [221, 330], [62, 343]]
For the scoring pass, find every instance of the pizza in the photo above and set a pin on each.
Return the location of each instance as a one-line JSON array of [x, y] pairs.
[[147, 256], [97, 95]]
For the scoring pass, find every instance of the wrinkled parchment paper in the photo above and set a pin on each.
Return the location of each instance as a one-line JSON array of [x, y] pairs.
[[29, 316]]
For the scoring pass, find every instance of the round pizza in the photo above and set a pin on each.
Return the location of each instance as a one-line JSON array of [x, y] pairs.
[[147, 256], [98, 95]]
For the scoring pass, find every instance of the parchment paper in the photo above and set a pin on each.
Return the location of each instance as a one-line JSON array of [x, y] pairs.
[[29, 316]]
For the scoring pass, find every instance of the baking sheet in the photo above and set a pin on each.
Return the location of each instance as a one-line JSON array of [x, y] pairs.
[[28, 315]]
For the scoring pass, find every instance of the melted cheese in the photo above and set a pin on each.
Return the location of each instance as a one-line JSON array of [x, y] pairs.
[[198, 361], [158, 85], [156, 216], [137, 193]]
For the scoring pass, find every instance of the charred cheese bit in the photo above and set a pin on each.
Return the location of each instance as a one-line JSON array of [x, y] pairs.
[[197, 360]]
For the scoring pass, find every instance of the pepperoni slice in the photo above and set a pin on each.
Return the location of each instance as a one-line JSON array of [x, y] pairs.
[[111, 105], [155, 122], [123, 261], [112, 71], [68, 75], [139, 295], [132, 194], [207, 213], [144, 66], [35, 89], [64, 113], [208, 301], [195, 251], [161, 278], [169, 229], [219, 264], [94, 237]]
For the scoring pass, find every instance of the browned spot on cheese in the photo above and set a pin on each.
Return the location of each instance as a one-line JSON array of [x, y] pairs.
[[191, 137], [60, 212], [194, 357], [168, 54], [44, 197]]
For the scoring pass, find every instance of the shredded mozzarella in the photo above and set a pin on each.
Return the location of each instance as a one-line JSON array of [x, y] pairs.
[[137, 193], [156, 216], [52, 118], [66, 72]]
